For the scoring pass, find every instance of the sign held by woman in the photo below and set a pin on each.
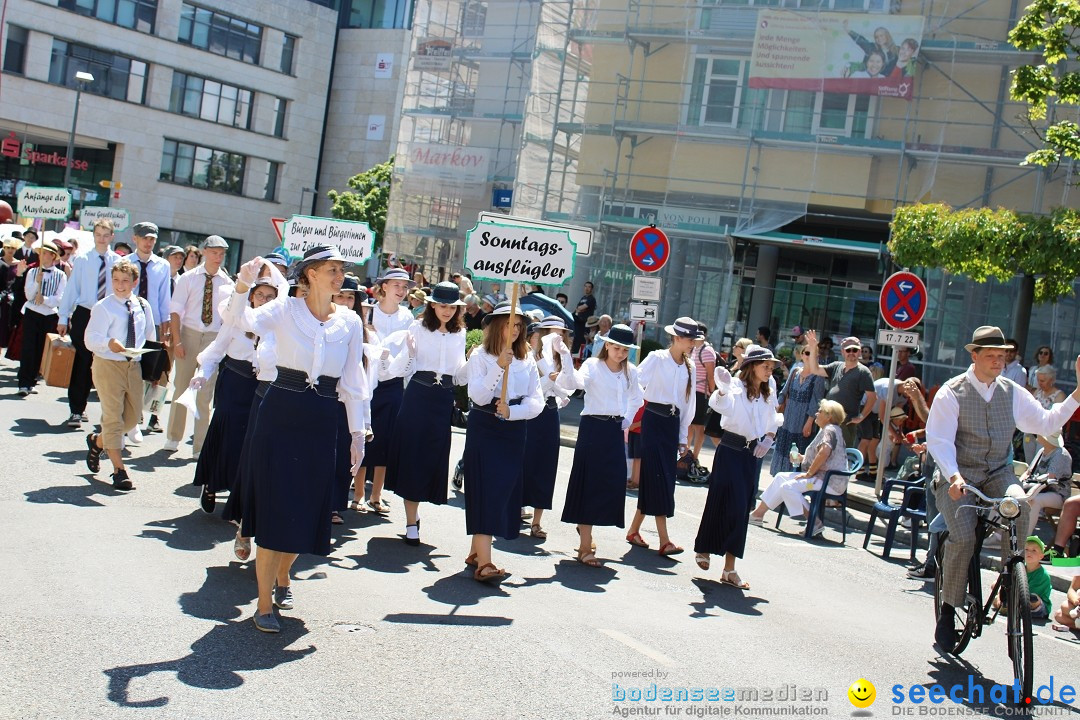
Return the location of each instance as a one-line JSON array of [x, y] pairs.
[[507, 253]]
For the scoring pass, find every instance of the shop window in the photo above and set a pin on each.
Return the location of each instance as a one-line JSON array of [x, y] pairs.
[[135, 14], [15, 50], [210, 100], [220, 34], [202, 167], [115, 76]]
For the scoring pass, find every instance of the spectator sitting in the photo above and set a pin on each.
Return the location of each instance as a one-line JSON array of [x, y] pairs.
[[1055, 463], [1047, 394], [602, 327], [1066, 526], [474, 316], [1066, 614], [1039, 585], [826, 452], [488, 304]]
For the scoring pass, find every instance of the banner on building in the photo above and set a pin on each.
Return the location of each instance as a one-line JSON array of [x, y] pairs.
[[447, 170], [433, 54], [848, 53]]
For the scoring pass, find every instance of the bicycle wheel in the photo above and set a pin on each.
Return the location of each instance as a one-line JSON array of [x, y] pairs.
[[965, 615], [1019, 627]]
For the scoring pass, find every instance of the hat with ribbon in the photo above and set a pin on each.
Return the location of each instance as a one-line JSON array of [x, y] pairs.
[[446, 293], [620, 335], [501, 310], [315, 254], [276, 258], [395, 273], [553, 322], [350, 284], [685, 327], [987, 337], [756, 353]]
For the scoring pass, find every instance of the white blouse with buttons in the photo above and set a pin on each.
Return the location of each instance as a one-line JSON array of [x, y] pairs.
[[753, 419], [485, 383], [442, 353], [665, 381], [386, 324], [606, 393]]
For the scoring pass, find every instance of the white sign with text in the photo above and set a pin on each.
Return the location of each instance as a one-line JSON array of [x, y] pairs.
[[43, 202], [508, 253], [646, 287], [582, 236], [89, 215], [354, 239], [898, 337]]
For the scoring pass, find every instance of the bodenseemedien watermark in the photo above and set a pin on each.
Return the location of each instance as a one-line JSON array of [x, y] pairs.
[[655, 699]]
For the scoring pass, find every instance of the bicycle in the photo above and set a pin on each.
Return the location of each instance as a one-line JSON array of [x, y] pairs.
[[970, 618]]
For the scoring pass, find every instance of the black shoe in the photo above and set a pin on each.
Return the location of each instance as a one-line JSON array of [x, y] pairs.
[[120, 480], [945, 632], [83, 417], [922, 572], [1053, 552], [154, 426], [93, 453], [412, 541], [207, 500]]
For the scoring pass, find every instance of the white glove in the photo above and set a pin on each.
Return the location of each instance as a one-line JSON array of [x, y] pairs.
[[356, 451], [558, 345], [249, 271], [763, 446], [722, 376], [197, 383]]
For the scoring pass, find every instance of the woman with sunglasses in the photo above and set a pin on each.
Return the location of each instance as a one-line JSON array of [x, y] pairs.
[[1043, 356], [799, 400]]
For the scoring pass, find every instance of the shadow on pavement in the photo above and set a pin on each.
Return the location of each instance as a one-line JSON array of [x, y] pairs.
[[573, 575], [647, 560], [78, 495], [717, 595], [952, 670], [31, 427], [460, 589], [194, 532], [451, 619], [522, 545], [225, 590], [215, 662], [391, 555]]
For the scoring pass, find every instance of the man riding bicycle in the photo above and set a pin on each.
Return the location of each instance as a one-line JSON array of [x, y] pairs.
[[969, 434]]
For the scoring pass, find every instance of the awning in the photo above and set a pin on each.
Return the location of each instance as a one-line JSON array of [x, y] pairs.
[[812, 242]]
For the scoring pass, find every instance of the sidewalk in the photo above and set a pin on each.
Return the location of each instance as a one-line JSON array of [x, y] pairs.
[[861, 499]]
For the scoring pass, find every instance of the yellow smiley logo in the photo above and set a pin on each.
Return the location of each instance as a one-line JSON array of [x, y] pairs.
[[862, 693]]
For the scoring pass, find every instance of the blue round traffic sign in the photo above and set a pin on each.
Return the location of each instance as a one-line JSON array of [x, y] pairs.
[[649, 249], [903, 300]]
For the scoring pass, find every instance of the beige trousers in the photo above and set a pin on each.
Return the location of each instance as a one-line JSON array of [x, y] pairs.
[[119, 389], [183, 370]]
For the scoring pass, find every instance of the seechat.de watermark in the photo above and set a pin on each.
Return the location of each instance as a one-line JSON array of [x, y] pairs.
[[923, 700]]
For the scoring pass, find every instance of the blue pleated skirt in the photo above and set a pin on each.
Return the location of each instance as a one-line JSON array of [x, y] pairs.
[[241, 491], [659, 446], [725, 518], [494, 452], [385, 405], [343, 467], [216, 468], [596, 493], [418, 461], [293, 463], [541, 459]]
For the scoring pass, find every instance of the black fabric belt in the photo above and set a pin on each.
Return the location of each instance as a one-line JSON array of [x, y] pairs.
[[552, 403], [429, 378], [240, 367], [607, 418], [662, 409], [297, 381], [490, 407], [737, 442], [392, 382]]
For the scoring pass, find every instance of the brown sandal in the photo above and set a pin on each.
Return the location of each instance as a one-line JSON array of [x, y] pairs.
[[537, 532], [588, 558], [494, 574], [471, 560]]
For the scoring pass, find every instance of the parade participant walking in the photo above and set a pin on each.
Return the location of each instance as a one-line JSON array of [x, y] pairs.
[[195, 322], [749, 416], [8, 265], [418, 453], [495, 437], [667, 377], [596, 492], [118, 323], [44, 289], [234, 351], [343, 474], [90, 281], [319, 348], [155, 287], [387, 317], [542, 432], [969, 433]]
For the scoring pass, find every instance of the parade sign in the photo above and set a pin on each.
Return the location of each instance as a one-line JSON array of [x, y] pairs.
[[508, 253], [903, 300], [43, 202], [120, 217], [855, 54], [354, 239], [582, 236]]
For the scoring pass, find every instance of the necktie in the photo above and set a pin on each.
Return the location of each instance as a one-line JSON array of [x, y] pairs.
[[143, 281], [131, 326], [101, 279], [208, 301]]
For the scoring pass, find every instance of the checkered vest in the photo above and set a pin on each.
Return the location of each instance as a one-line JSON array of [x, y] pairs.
[[984, 429]]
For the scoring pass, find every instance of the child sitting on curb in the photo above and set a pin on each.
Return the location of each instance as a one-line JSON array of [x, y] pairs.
[[1039, 585]]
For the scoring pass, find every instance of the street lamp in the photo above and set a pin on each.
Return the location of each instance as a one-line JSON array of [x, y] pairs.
[[82, 79]]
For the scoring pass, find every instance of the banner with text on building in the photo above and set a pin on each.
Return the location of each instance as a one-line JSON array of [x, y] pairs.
[[859, 54]]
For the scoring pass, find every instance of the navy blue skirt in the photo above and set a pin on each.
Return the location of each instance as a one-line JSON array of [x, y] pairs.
[[541, 459], [596, 494], [494, 452], [216, 468], [633, 445], [725, 518], [343, 467], [293, 463], [241, 492], [385, 405], [659, 446], [418, 464]]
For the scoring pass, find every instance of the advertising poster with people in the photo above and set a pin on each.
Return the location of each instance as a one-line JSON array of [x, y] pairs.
[[836, 52]]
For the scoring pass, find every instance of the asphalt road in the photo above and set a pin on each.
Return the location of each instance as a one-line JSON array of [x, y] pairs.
[[133, 606]]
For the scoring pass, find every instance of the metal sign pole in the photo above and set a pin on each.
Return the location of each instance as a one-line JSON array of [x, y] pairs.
[[884, 449]]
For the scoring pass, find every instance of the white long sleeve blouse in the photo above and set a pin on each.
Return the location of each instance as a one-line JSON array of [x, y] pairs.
[[752, 419], [229, 341], [606, 392], [388, 324], [664, 381], [485, 384], [333, 348], [549, 387]]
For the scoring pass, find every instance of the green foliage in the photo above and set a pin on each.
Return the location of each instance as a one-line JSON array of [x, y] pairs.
[[472, 339], [986, 243], [1049, 27], [461, 392], [367, 200]]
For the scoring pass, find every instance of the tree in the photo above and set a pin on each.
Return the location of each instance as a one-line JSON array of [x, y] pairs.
[[1049, 27], [367, 200]]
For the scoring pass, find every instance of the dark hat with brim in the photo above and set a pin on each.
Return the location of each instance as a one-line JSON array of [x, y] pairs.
[[28, 231], [446, 293], [988, 337], [501, 310], [620, 335], [276, 258], [351, 284], [684, 327], [316, 254], [553, 322]]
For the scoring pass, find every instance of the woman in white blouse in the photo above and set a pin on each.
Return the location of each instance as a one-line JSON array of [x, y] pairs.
[[542, 435], [233, 350], [749, 416], [44, 287], [319, 348], [495, 437], [596, 494], [418, 459], [667, 377]]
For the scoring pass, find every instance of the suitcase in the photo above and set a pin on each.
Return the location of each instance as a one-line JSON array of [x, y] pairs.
[[57, 360]]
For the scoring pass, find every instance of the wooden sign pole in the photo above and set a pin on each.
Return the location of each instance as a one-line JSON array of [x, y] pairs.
[[509, 334]]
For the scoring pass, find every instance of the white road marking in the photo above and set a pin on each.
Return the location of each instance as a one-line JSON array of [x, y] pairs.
[[641, 648]]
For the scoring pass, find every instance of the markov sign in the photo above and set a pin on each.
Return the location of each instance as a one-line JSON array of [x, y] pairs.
[[354, 239], [508, 253], [43, 202]]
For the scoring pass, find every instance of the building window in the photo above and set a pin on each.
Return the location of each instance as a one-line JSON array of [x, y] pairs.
[[270, 187], [115, 76], [288, 51], [474, 18], [15, 50], [202, 167], [280, 104], [381, 14], [135, 14], [210, 100], [220, 33]]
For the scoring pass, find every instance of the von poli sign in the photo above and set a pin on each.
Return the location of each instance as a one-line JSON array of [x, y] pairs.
[[12, 148]]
